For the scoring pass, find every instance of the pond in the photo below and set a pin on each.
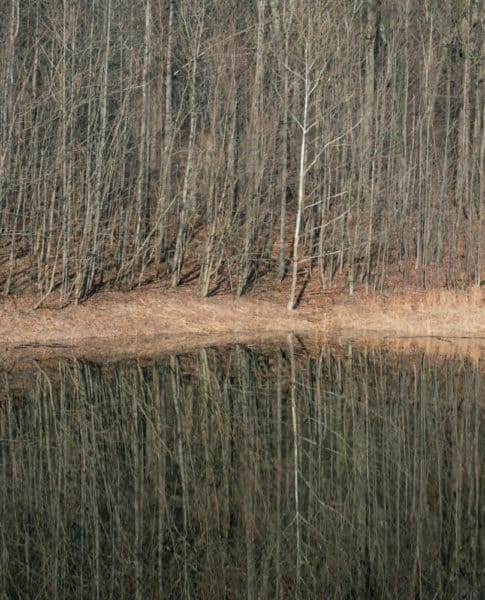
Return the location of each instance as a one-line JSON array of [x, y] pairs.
[[296, 471]]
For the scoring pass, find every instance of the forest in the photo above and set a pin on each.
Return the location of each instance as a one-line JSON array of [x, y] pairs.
[[226, 142]]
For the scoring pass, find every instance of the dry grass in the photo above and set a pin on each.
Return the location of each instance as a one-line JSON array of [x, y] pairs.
[[147, 322]]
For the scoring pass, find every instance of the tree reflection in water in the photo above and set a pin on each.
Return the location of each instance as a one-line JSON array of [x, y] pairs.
[[242, 472]]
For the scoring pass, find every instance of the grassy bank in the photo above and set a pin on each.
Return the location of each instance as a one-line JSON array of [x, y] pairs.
[[146, 322]]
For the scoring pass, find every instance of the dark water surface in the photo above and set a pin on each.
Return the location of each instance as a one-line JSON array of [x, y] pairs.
[[244, 472]]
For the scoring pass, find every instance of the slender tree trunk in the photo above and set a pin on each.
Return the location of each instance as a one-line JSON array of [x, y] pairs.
[[301, 181], [142, 212], [188, 183], [284, 162]]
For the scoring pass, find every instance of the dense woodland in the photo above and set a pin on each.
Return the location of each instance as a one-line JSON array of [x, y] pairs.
[[222, 141]]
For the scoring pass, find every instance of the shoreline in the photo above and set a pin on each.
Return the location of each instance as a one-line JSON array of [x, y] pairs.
[[147, 323]]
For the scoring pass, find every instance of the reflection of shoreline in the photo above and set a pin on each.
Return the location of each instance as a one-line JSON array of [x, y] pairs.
[[151, 347], [147, 323]]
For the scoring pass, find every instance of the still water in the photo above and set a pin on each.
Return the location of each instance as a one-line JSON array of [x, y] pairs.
[[244, 472]]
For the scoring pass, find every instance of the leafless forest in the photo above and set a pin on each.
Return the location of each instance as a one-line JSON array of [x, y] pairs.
[[225, 141]]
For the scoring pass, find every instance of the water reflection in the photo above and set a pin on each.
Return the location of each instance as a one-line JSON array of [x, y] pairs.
[[244, 473]]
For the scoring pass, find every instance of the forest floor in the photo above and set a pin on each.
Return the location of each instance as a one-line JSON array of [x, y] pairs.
[[149, 321]]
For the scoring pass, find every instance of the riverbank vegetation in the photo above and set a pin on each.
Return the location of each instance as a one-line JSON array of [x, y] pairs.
[[145, 323], [220, 142]]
